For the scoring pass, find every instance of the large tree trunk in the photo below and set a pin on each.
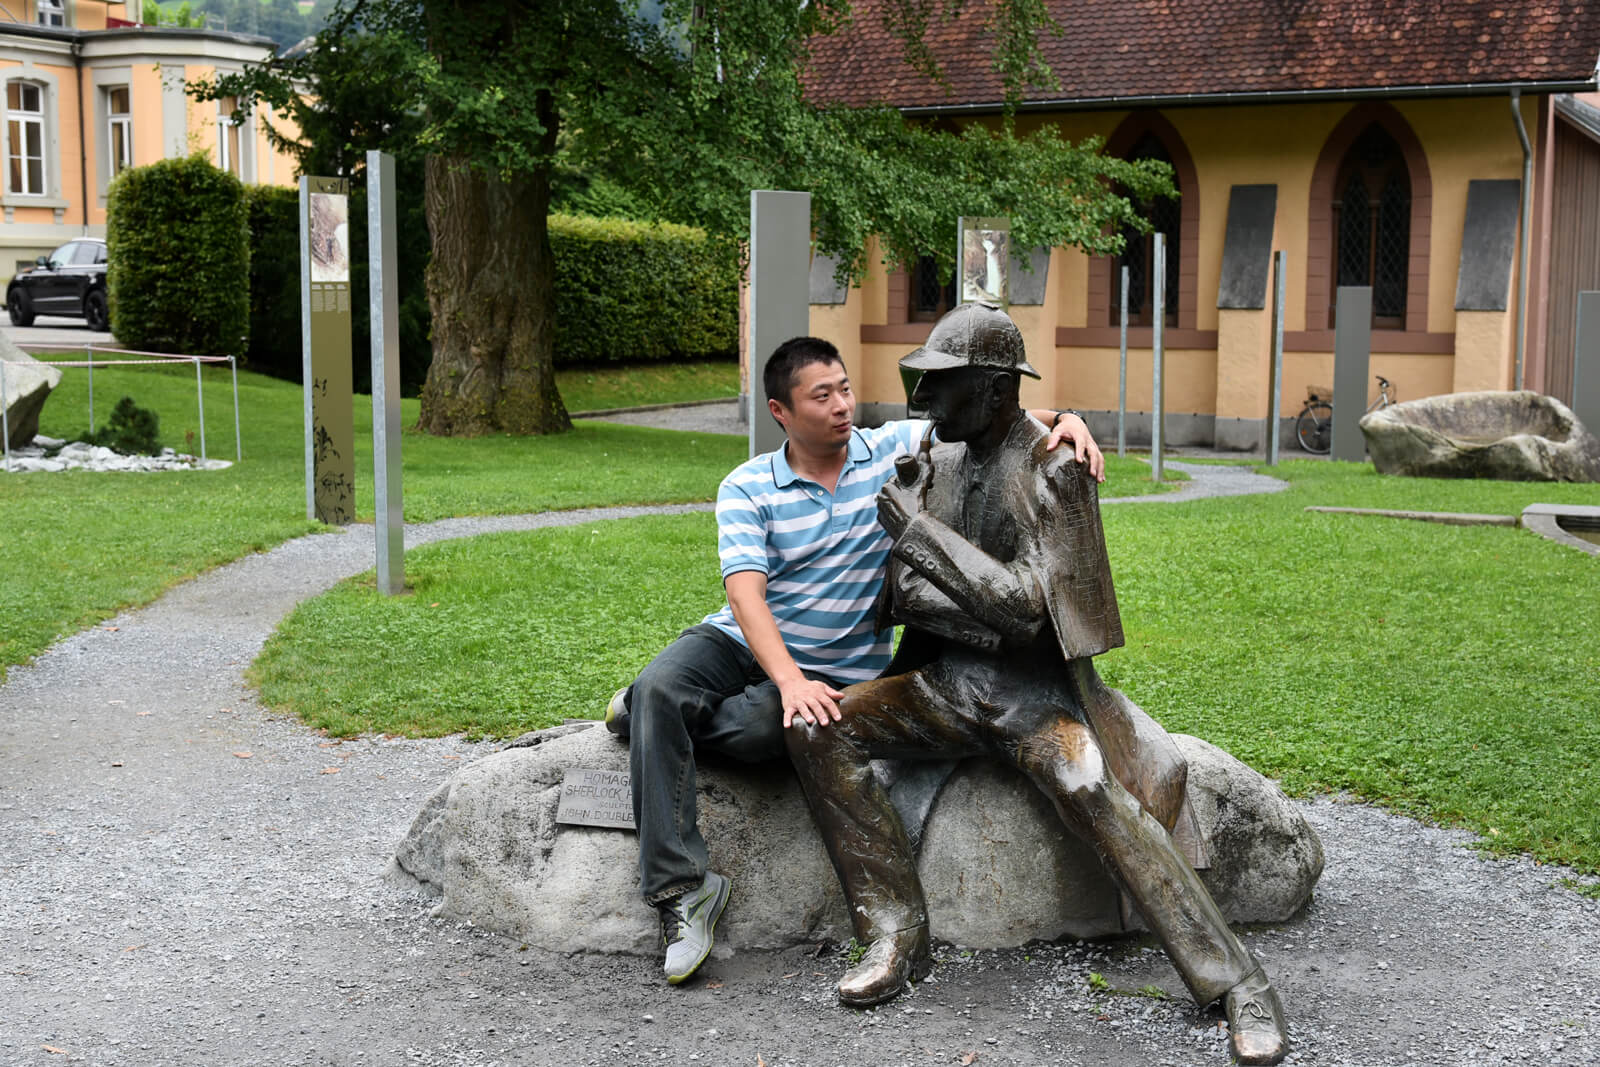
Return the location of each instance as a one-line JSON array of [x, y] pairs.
[[491, 287]]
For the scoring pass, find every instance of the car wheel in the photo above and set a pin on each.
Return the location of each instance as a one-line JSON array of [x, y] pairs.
[[95, 311], [20, 307]]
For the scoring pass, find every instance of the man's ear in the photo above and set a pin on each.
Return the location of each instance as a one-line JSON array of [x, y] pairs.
[[779, 414]]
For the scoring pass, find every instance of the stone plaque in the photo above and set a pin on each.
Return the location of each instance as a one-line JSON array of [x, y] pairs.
[[596, 798]]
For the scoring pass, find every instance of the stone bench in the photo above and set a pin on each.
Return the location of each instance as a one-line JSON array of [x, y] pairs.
[[998, 867]]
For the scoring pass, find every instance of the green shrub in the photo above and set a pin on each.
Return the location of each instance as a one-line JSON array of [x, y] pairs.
[[629, 291], [178, 240], [131, 430], [274, 281]]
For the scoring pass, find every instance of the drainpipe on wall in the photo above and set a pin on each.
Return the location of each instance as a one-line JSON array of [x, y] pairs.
[[1522, 231], [83, 138]]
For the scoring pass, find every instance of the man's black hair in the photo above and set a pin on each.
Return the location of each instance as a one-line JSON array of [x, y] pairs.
[[786, 361]]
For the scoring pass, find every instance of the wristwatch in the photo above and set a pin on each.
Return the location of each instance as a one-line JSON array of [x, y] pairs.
[[1064, 411]]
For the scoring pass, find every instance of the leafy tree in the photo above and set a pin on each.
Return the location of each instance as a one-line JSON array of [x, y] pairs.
[[686, 106]]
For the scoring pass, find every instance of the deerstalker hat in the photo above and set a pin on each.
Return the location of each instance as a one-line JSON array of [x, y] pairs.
[[972, 335]]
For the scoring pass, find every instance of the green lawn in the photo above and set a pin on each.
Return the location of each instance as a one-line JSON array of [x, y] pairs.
[[636, 384], [77, 547], [1447, 672]]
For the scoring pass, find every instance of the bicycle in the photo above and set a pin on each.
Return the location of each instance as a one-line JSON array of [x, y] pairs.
[[1314, 426]]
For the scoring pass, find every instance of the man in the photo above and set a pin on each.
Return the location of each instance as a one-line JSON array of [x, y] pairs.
[[803, 558], [1000, 574]]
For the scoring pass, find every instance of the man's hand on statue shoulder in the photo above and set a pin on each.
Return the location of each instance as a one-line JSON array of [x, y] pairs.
[[815, 702], [1069, 426]]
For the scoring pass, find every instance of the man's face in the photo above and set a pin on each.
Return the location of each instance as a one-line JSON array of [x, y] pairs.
[[956, 400], [821, 409]]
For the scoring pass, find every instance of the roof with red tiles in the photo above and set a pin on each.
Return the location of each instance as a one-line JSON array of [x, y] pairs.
[[1111, 49]]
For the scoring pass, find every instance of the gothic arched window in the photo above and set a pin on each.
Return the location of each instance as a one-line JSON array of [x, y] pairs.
[[1372, 225], [1138, 253]]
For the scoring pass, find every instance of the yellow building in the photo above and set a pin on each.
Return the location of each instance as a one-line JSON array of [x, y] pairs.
[[88, 92], [1374, 145]]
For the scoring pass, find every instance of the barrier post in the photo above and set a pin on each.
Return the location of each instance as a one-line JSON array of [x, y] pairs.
[[5, 417], [238, 448], [88, 355], [1158, 409], [200, 397], [1122, 375]]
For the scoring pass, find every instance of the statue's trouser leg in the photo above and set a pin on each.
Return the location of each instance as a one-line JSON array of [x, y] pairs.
[[1064, 758], [863, 833], [704, 691]]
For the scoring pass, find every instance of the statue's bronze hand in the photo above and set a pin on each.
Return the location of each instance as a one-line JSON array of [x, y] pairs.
[[899, 504]]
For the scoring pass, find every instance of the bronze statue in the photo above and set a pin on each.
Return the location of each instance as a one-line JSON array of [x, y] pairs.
[[1000, 574]]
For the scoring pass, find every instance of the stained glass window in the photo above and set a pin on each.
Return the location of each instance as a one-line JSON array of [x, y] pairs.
[[1372, 225]]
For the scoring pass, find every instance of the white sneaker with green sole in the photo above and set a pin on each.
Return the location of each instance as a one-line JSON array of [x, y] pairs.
[[687, 923]]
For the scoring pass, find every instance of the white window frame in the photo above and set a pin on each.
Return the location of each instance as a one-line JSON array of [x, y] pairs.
[[17, 124], [52, 13], [230, 138], [117, 162]]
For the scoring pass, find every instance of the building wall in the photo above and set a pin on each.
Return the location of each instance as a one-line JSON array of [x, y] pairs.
[[154, 65], [1216, 370]]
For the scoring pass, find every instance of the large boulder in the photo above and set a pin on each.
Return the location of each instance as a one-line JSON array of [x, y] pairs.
[[1519, 436], [998, 866], [27, 385]]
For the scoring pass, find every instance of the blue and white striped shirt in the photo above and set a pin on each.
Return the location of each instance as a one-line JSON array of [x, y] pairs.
[[823, 554]]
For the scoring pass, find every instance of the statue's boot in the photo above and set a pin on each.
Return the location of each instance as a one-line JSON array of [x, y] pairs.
[[892, 961], [1255, 1021]]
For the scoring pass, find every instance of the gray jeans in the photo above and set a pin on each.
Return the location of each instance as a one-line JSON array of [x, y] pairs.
[[704, 692]]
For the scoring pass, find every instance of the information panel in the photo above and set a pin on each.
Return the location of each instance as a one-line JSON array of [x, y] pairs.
[[596, 798], [325, 352]]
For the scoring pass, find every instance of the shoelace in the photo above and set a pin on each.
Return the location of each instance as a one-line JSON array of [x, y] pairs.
[[1254, 1008], [671, 922]]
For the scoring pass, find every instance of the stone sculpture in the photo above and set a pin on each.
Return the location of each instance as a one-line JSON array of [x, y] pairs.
[[1000, 574], [1512, 435], [28, 384]]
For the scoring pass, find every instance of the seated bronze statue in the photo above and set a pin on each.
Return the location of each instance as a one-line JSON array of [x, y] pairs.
[[999, 573]]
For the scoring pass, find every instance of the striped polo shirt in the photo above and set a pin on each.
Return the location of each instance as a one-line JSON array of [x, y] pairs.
[[823, 553]]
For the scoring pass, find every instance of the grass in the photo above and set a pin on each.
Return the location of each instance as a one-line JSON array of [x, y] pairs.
[[79, 547], [1445, 672], [636, 384]]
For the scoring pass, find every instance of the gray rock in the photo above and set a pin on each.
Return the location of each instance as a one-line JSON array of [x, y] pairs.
[[997, 865], [28, 384], [1511, 436]]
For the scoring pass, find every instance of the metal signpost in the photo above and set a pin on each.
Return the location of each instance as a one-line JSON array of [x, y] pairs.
[[325, 349], [1275, 378], [1352, 352], [780, 294], [1122, 375], [1586, 362], [1158, 300], [384, 302]]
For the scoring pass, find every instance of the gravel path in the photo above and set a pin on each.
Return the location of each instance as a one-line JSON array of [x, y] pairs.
[[189, 879]]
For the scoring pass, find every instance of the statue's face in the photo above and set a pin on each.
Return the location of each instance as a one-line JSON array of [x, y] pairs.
[[956, 400]]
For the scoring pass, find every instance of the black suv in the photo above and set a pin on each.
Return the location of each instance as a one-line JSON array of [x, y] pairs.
[[69, 281]]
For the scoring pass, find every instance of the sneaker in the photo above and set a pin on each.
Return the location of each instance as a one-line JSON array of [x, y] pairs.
[[617, 713], [687, 923]]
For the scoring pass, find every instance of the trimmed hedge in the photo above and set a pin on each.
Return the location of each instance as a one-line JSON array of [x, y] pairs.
[[178, 240], [274, 281], [630, 291]]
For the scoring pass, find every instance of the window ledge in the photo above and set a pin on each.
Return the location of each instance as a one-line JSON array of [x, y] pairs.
[[24, 200]]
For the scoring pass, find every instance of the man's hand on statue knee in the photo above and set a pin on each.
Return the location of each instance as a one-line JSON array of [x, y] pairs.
[[815, 702]]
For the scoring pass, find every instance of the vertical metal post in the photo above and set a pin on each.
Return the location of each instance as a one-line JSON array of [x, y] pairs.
[[1158, 301], [88, 353], [5, 417], [1352, 352], [1122, 375], [1586, 361], [305, 347], [238, 445], [383, 290], [1275, 378], [200, 399], [780, 293]]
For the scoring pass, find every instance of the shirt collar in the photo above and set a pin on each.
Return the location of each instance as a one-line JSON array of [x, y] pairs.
[[784, 476]]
